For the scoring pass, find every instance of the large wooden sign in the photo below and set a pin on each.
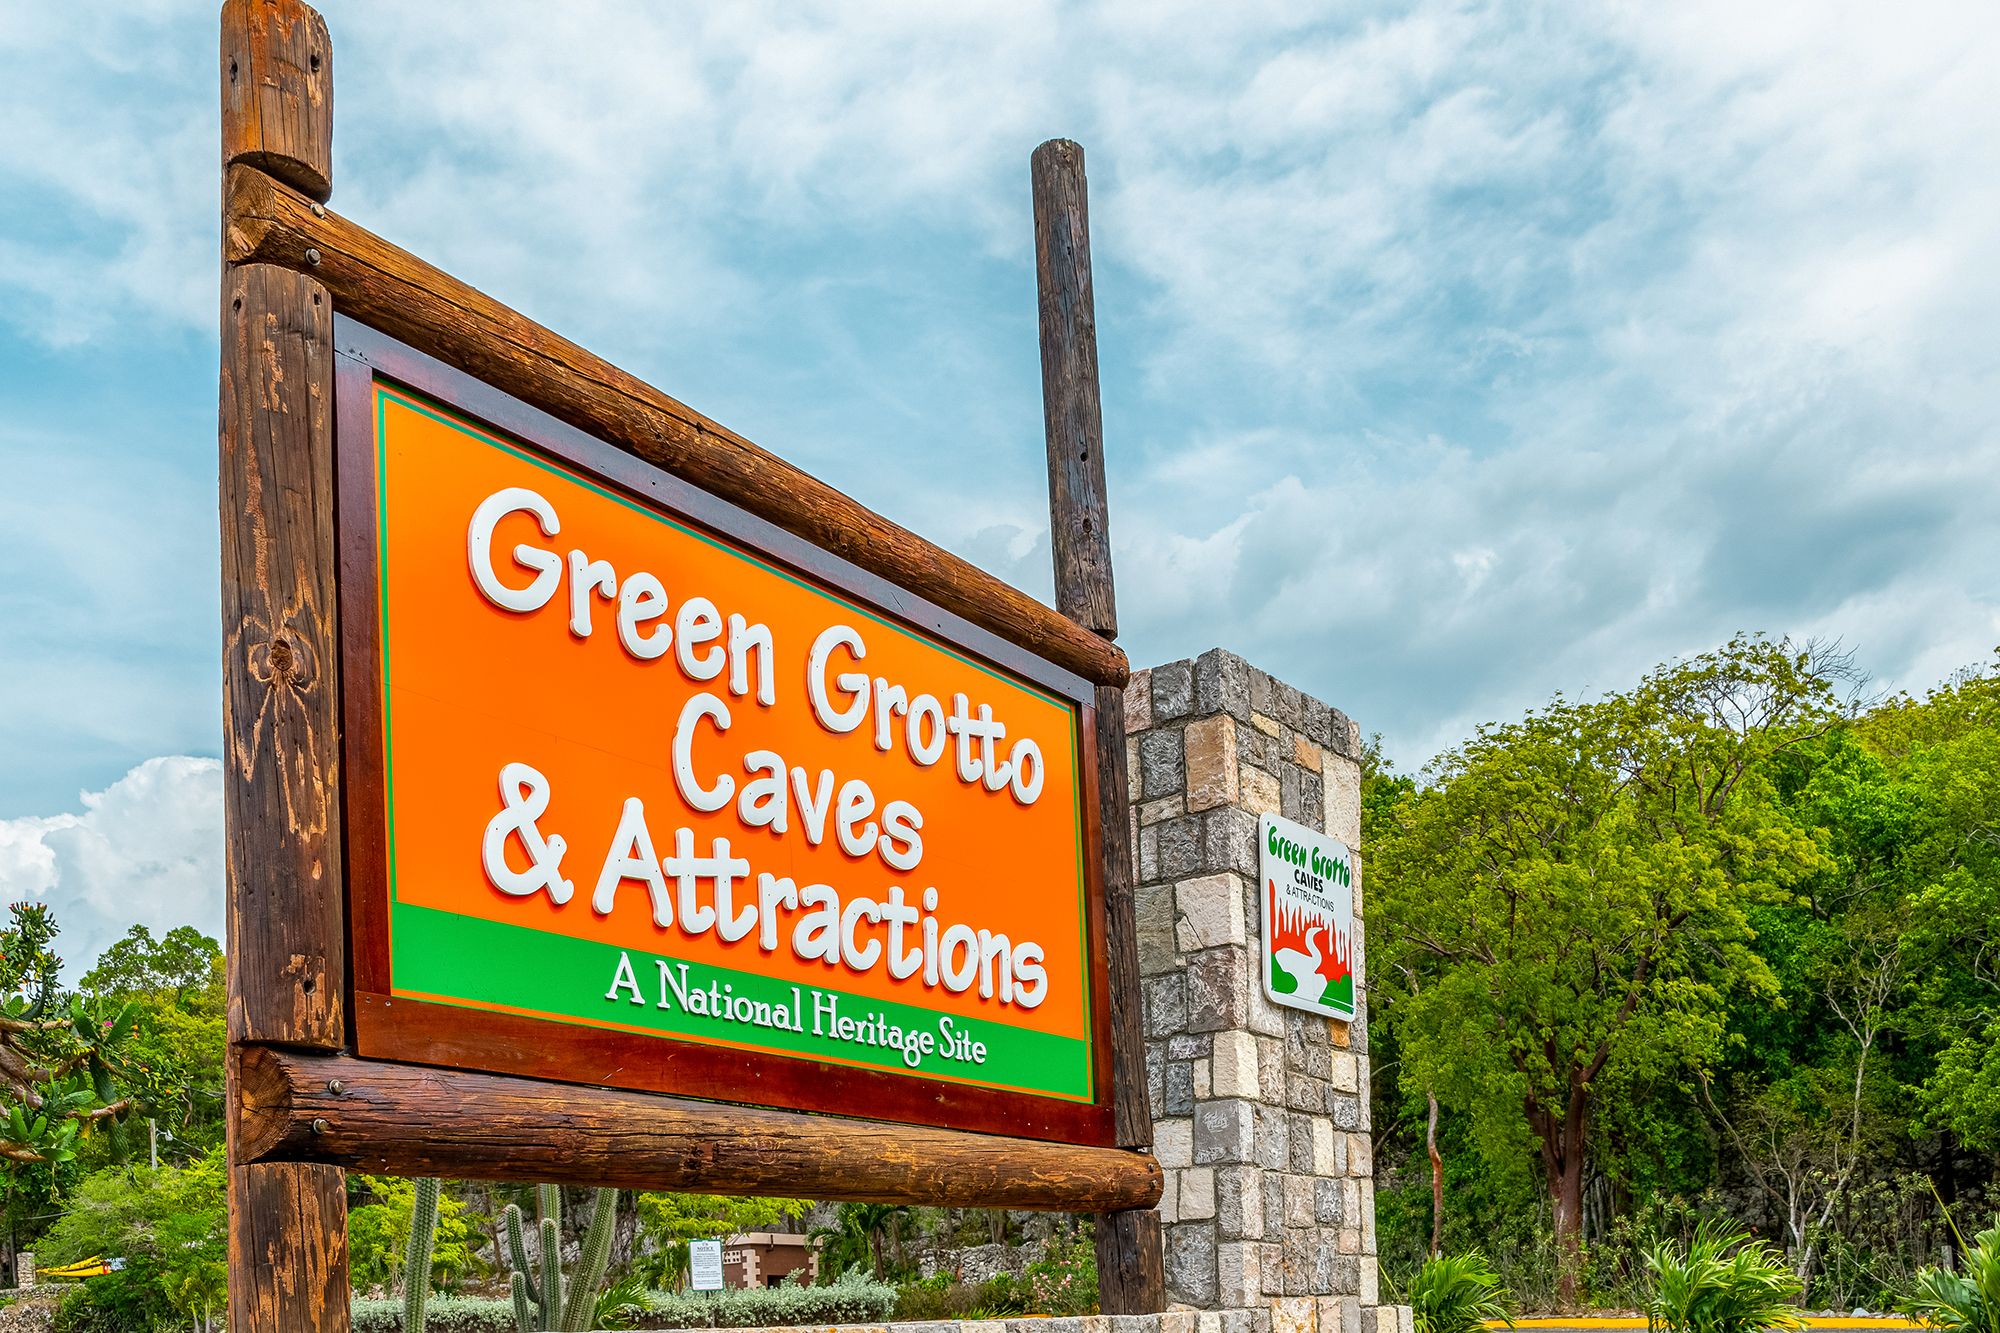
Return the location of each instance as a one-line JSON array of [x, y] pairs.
[[653, 796], [610, 802]]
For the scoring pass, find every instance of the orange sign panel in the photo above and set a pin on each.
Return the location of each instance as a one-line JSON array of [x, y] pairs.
[[642, 778]]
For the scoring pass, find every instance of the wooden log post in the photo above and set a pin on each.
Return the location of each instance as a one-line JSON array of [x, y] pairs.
[[1130, 1275], [285, 922], [409, 1120]]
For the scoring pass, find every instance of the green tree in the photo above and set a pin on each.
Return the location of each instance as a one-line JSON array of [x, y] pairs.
[[669, 1221], [1565, 898], [172, 1068], [168, 1227], [378, 1235]]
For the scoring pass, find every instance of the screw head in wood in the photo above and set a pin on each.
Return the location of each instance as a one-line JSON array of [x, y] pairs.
[[312, 256], [335, 1086], [319, 210], [322, 1126]]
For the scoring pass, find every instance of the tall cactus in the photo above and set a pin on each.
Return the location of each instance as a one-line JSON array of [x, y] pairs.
[[591, 1263], [417, 1255], [537, 1291]]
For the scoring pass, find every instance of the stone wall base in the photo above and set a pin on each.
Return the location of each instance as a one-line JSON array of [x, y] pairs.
[[1295, 1314]]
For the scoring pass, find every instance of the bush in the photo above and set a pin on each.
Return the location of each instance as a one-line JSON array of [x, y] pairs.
[[1723, 1282], [1457, 1293], [854, 1299], [939, 1297], [445, 1314], [1967, 1302], [1064, 1280]]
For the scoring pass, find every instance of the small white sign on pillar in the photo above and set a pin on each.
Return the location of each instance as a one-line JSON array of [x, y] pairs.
[[1307, 892], [705, 1265]]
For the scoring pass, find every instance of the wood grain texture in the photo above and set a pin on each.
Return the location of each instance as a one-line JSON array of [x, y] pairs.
[[397, 293], [413, 1121], [1072, 413], [1130, 1265], [277, 92], [280, 660]]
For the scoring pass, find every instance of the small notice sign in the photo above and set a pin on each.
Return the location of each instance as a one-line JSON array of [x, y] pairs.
[[705, 1265], [1308, 914]]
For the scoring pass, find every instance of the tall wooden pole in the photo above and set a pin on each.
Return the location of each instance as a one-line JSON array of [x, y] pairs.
[[1130, 1276], [281, 721]]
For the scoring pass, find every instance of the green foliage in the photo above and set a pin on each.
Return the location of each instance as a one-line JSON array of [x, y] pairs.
[[854, 1299], [1721, 1281], [168, 1225], [862, 1233], [60, 1053], [669, 1221], [1064, 1280], [1967, 1302], [380, 1240], [940, 1298], [1457, 1293]]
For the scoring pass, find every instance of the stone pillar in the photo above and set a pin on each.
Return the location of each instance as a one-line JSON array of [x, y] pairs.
[[1261, 1113]]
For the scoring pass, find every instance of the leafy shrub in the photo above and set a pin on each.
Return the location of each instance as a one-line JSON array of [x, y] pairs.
[[939, 1297], [853, 1298], [1064, 1280], [1457, 1293], [1722, 1282], [1967, 1302], [446, 1314]]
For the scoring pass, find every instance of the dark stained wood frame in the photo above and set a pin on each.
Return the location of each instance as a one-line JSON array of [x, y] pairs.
[[389, 1027], [302, 1108]]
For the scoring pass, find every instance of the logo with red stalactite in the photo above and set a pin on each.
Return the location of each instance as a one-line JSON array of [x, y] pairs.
[[1308, 911]]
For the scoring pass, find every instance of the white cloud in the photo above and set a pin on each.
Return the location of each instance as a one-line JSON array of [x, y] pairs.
[[148, 849], [1456, 353]]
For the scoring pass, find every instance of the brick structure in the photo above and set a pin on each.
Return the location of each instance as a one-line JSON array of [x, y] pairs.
[[1261, 1113]]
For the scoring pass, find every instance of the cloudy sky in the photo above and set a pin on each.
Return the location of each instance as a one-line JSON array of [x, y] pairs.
[[1455, 354]]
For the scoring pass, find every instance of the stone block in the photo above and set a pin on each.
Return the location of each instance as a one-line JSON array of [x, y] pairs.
[[1266, 1019], [1177, 1088], [1325, 1154], [1217, 989], [1222, 683], [1346, 1111], [1162, 765], [1246, 1321], [1210, 758], [1405, 1319], [1166, 1002], [1239, 1202], [1298, 1201], [1263, 693], [1259, 794], [1318, 723], [1173, 1143], [1267, 724], [1210, 1321], [1229, 841], [1360, 1160], [1153, 913], [1197, 1193], [1224, 1132], [1294, 1314], [1326, 1201], [1204, 1079], [1209, 912], [1149, 813], [1271, 1255], [1189, 1045], [1342, 797], [1169, 1207], [1298, 1264], [1175, 1321], [1173, 691], [1239, 1273], [1179, 847], [1302, 1143], [1234, 1067], [1139, 702], [1274, 1140], [1190, 1263], [1366, 1188], [1345, 1071]]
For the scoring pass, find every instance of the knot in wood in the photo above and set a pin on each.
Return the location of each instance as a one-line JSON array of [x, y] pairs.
[[286, 661]]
